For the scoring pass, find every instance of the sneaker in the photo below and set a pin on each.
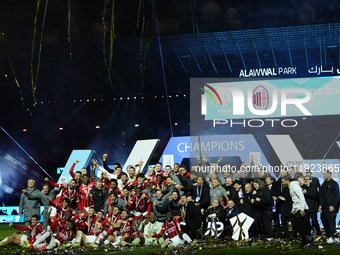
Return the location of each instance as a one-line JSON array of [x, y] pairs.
[[63, 247], [27, 244], [42, 248], [166, 242], [330, 240], [76, 245], [101, 242], [94, 245], [269, 239], [171, 246], [306, 247], [336, 240], [123, 243], [193, 243], [313, 234]]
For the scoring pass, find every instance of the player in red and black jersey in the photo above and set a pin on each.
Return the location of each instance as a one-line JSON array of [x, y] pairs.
[[126, 195], [89, 218], [114, 187], [140, 183], [94, 232], [84, 193], [62, 208], [140, 203], [172, 230], [69, 191], [113, 217], [121, 232], [23, 240], [79, 174], [59, 224], [63, 235], [161, 183]]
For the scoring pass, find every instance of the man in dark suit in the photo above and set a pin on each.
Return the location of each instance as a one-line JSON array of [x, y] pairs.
[[184, 178], [228, 184], [191, 216], [245, 205], [283, 203], [274, 192], [314, 180], [201, 193], [312, 198], [230, 211]]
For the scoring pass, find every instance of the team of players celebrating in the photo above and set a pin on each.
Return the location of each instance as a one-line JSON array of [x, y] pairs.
[[172, 207]]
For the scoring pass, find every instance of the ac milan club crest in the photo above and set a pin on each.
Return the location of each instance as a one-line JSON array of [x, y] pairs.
[[260, 98]]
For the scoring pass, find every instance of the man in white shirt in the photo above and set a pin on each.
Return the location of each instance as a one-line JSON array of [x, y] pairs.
[[299, 206], [151, 228]]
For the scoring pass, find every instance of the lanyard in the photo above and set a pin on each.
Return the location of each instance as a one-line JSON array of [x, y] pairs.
[[69, 193], [150, 231], [69, 233], [88, 222], [95, 227], [199, 194], [123, 227], [183, 210], [113, 216], [125, 200], [34, 229], [86, 191], [138, 201]]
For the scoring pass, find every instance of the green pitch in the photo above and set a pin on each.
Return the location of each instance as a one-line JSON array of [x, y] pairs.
[[207, 247]]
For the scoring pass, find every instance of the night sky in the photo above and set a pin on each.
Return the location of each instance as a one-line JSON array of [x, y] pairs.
[[62, 81]]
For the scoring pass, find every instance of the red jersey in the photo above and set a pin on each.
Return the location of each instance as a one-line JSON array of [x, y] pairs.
[[125, 199], [56, 225], [60, 227], [35, 230], [135, 185], [113, 219], [63, 235], [118, 192], [170, 229], [85, 219], [140, 204], [71, 194], [61, 211], [126, 228], [94, 228], [163, 185], [84, 192]]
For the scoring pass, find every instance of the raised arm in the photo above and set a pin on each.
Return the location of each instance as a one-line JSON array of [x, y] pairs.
[[103, 170], [19, 227], [72, 168], [139, 167], [105, 164], [56, 185], [93, 174]]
